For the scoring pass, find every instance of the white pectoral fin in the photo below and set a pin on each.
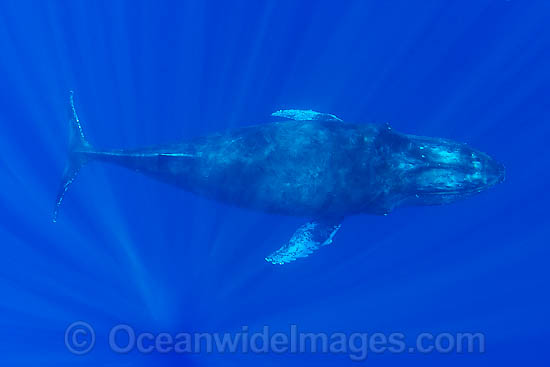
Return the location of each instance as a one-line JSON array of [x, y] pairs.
[[305, 115], [308, 238]]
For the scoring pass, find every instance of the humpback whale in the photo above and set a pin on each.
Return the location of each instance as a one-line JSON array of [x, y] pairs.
[[307, 164]]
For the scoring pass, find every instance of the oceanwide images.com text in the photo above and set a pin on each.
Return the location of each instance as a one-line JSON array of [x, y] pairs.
[[80, 339]]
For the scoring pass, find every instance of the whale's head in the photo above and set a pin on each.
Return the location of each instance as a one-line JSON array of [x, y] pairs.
[[438, 171]]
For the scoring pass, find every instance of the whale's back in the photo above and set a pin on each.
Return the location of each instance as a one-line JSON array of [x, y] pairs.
[[307, 168]]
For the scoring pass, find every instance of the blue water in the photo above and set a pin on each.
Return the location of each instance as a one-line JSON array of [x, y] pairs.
[[130, 250]]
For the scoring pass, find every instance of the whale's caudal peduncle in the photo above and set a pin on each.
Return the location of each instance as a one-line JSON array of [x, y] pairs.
[[311, 165]]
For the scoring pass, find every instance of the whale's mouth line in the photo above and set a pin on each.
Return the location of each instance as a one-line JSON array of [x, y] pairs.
[[458, 192], [463, 186], [454, 192]]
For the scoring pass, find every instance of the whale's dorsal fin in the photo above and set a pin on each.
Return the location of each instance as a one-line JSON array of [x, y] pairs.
[[305, 115], [308, 238]]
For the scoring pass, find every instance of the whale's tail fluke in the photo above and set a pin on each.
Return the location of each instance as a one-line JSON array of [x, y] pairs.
[[78, 147]]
